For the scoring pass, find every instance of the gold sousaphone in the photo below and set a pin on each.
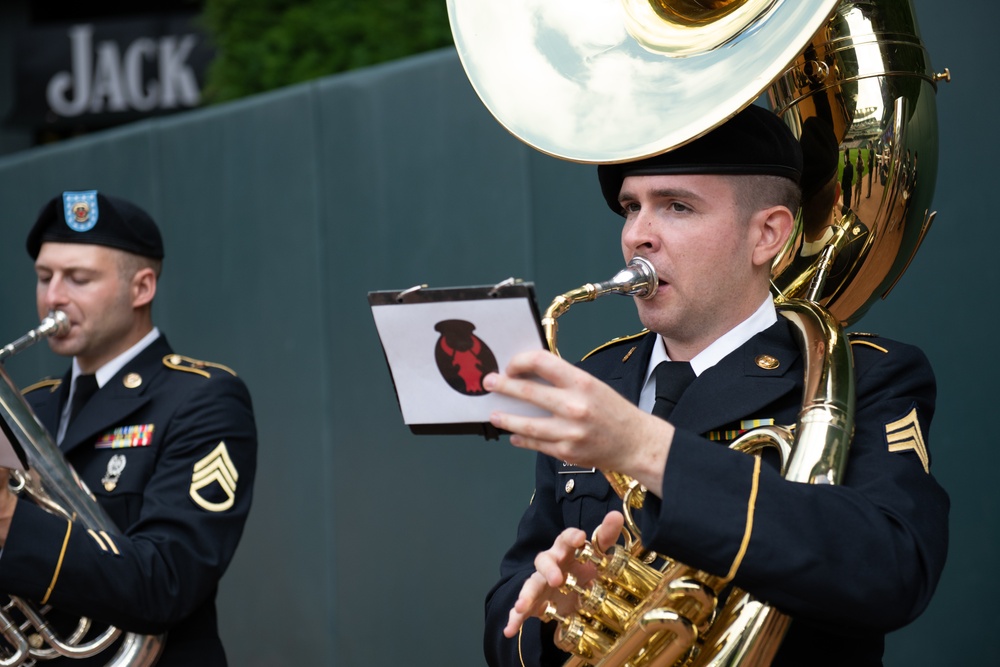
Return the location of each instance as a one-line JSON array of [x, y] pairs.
[[607, 81]]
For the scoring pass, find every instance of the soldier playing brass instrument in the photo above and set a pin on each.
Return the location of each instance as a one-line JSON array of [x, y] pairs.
[[166, 443], [847, 562]]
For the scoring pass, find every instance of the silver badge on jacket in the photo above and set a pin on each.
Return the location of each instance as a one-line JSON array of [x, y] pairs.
[[115, 466]]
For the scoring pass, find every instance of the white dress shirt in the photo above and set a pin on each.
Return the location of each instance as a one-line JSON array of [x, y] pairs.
[[763, 317]]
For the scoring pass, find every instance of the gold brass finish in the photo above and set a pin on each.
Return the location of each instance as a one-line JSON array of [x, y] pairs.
[[875, 109], [53, 484], [689, 27], [581, 86], [574, 82], [695, 12], [628, 79], [767, 362], [669, 614], [637, 279]]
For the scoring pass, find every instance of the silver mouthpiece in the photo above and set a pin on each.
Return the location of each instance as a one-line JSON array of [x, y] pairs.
[[638, 278], [55, 324]]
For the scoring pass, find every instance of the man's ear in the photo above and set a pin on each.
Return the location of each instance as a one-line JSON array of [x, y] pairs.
[[143, 287], [774, 225]]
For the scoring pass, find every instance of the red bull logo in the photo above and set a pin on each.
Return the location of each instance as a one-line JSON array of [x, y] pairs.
[[463, 359]]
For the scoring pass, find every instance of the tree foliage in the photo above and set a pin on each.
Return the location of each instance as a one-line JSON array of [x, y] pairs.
[[266, 44]]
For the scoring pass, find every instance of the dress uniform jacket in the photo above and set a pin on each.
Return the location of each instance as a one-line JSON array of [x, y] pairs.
[[848, 563], [168, 447]]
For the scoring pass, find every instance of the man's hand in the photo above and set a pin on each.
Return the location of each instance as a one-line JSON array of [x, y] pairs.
[[8, 501], [590, 423], [551, 568]]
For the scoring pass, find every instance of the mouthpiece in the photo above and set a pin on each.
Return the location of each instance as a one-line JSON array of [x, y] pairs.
[[638, 278], [55, 324]]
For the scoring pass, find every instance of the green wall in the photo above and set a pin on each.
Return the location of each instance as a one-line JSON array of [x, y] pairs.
[[368, 545]]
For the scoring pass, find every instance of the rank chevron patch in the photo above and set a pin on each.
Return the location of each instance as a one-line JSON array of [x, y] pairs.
[[215, 468], [104, 541], [904, 435]]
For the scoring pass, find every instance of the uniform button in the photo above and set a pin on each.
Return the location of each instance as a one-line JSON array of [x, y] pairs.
[[570, 483], [767, 362]]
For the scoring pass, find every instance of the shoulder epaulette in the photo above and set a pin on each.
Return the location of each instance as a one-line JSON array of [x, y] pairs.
[[862, 338], [53, 383], [616, 341], [180, 363]]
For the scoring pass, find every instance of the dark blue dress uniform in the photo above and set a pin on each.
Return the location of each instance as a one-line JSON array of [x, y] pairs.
[[168, 447], [848, 563]]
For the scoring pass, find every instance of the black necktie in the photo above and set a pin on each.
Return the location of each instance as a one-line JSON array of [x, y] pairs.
[[672, 378], [86, 385]]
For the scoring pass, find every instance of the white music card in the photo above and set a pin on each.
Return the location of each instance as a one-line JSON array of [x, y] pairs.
[[441, 343]]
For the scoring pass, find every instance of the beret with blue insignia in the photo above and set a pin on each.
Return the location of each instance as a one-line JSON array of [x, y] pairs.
[[95, 218], [753, 142]]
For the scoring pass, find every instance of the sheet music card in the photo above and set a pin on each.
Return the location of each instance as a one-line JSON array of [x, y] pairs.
[[441, 343]]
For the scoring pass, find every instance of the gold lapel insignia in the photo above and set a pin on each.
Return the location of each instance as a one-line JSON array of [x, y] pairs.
[[132, 380], [114, 472], [216, 468], [904, 435], [767, 362]]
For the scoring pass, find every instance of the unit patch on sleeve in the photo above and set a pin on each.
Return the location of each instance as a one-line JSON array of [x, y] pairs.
[[213, 483], [904, 435]]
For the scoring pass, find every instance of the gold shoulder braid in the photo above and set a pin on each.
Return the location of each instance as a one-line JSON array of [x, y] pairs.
[[866, 342], [615, 341], [52, 383], [189, 365]]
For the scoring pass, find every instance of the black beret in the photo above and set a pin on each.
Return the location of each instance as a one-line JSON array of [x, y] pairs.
[[99, 219], [754, 141]]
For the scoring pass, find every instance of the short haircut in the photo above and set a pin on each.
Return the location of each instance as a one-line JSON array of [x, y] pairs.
[[129, 264], [756, 192]]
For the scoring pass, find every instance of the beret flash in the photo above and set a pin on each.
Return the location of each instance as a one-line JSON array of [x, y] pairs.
[[95, 218]]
